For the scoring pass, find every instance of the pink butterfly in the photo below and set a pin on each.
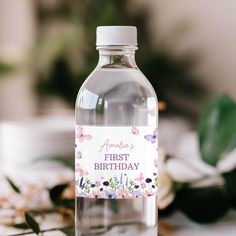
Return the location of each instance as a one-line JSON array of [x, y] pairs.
[[135, 131], [140, 178], [80, 170], [81, 136]]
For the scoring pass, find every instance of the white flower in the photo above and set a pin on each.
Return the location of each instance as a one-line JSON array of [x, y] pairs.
[[228, 163]]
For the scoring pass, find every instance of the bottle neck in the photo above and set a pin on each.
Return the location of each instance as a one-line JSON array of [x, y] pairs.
[[116, 57]]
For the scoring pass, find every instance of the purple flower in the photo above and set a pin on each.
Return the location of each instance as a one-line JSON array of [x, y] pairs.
[[93, 185], [148, 180], [110, 194], [106, 183], [137, 194], [136, 186]]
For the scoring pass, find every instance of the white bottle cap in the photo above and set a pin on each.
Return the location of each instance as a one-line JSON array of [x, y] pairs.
[[116, 35]]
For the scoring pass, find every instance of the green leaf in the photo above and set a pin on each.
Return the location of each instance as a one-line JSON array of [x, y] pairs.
[[32, 223], [230, 180], [21, 226], [68, 231], [56, 192], [67, 203], [217, 131], [11, 183], [203, 205]]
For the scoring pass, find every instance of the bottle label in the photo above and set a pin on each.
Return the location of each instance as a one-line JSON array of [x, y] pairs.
[[116, 162]]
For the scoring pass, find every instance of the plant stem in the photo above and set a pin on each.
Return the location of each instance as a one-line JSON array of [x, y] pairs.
[[42, 231]]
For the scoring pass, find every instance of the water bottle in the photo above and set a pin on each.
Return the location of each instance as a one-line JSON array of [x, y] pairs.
[[116, 142]]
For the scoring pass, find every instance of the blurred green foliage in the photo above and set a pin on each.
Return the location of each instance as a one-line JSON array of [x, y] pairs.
[[217, 134], [217, 138], [6, 69], [230, 179], [73, 55], [203, 205]]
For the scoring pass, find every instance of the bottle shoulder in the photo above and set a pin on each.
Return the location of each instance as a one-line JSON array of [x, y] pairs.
[[112, 82]]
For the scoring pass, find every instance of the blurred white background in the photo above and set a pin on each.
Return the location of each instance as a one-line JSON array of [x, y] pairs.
[[210, 31]]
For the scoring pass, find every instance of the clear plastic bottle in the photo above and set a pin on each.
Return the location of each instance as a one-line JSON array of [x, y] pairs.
[[116, 96]]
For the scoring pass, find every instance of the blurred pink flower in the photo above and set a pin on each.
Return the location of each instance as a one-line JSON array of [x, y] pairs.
[[143, 185], [95, 194], [148, 193], [123, 193]]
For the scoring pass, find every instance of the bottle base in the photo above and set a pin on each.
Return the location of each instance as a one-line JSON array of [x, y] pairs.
[[121, 230]]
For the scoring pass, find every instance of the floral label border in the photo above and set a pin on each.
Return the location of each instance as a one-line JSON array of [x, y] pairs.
[[116, 162]]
